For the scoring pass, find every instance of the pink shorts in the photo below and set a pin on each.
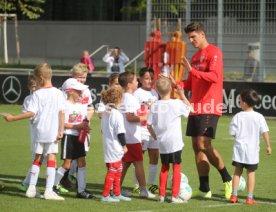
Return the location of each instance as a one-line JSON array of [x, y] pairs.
[[134, 153]]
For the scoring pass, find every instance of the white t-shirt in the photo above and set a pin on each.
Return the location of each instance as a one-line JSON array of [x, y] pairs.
[[31, 126], [146, 98], [133, 130], [86, 97], [112, 125], [46, 103], [165, 118], [246, 127], [110, 61], [74, 114]]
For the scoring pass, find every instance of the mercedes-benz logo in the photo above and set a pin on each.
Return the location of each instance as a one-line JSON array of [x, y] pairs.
[[11, 89]]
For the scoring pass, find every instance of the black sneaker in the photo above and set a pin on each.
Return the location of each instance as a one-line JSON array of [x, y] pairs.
[[85, 195]]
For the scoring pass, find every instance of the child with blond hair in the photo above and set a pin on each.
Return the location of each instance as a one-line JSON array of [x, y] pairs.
[[79, 72], [46, 107], [164, 124]]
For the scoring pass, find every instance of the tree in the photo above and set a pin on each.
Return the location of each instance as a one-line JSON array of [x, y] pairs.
[[138, 8], [29, 8]]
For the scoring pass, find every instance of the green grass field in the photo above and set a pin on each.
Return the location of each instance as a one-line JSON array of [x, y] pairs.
[[15, 159]]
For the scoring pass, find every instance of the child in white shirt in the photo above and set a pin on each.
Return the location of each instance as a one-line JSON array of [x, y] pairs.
[[79, 72], [146, 96], [46, 107], [246, 127], [113, 132], [32, 86], [129, 109], [72, 147], [164, 124]]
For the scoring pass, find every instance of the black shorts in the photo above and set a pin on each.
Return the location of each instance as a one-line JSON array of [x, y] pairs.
[[71, 148], [174, 157], [250, 167], [202, 125]]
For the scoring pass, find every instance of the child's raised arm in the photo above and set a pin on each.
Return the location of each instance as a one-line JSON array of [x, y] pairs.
[[183, 98], [267, 143]]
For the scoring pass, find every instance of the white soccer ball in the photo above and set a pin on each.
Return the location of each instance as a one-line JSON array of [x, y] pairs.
[[185, 192], [242, 184], [184, 179]]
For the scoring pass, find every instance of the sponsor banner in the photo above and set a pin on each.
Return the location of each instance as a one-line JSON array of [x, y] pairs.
[[14, 90]]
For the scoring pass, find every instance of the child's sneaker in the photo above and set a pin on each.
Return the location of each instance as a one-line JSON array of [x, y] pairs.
[[153, 188], [66, 183], [85, 195], [72, 179], [60, 190], [198, 193], [146, 194], [136, 189], [121, 197], [31, 192], [228, 189], [125, 193], [51, 195], [23, 187], [109, 199], [161, 199], [233, 198], [177, 200], [250, 201]]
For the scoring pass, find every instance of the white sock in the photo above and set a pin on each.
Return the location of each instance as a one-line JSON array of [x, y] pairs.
[[81, 177], [135, 181], [26, 181], [153, 169], [50, 177], [73, 168], [34, 174], [59, 175]]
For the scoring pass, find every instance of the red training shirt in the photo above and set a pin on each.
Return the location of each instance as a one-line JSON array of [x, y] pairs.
[[205, 81]]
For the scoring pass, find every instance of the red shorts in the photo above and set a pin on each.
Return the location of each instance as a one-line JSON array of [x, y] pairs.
[[134, 153]]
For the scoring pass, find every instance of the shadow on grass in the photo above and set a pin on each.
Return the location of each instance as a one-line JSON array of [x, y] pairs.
[[13, 182]]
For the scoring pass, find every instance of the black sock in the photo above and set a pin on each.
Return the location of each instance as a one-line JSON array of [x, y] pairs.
[[65, 176], [204, 183], [225, 175]]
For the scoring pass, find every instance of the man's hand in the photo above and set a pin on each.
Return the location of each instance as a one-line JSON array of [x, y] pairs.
[[186, 63]]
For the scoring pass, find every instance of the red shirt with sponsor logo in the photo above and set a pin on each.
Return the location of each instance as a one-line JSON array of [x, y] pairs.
[[205, 81]]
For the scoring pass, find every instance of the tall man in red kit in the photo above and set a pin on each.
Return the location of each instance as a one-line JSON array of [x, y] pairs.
[[205, 81]]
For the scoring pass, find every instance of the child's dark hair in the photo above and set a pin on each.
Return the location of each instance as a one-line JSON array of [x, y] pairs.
[[145, 70], [125, 78], [194, 27], [112, 78], [250, 97]]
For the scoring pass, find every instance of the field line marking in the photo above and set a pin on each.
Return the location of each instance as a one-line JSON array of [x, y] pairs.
[[10, 180]]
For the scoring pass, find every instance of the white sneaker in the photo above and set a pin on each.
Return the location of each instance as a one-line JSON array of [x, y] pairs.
[[161, 199], [146, 194], [177, 200], [51, 195], [31, 192]]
